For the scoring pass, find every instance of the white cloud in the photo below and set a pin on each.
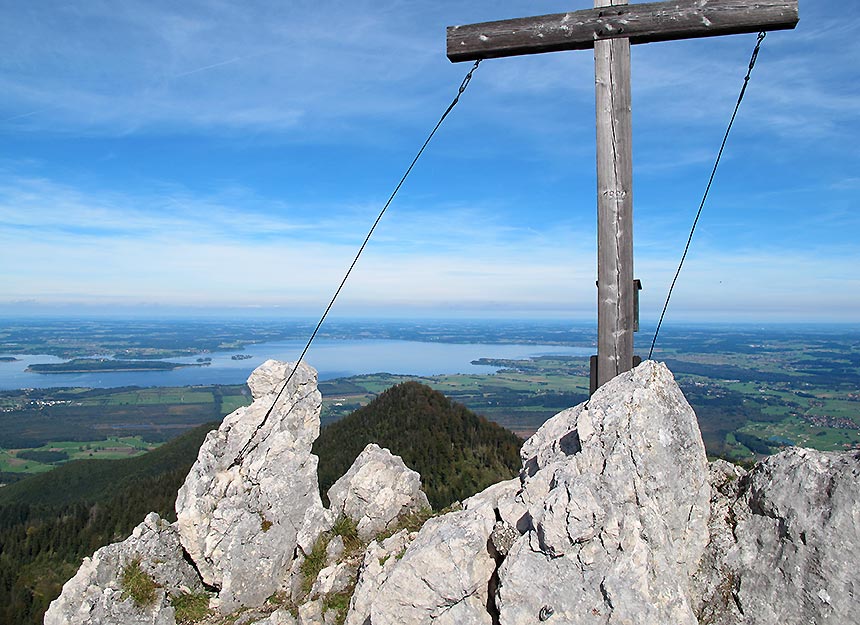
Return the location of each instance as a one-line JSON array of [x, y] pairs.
[[456, 257], [518, 231]]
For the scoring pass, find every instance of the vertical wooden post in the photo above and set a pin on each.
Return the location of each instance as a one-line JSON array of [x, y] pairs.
[[614, 205]]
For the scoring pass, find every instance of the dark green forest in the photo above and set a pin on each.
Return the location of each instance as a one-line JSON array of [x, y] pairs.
[[457, 452], [51, 521]]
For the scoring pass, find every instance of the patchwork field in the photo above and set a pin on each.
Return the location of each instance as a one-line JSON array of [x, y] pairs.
[[754, 390]]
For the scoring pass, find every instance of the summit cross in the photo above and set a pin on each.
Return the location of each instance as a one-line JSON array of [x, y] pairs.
[[610, 27]]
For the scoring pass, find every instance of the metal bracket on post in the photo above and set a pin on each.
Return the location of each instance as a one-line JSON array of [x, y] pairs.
[[592, 380], [637, 286]]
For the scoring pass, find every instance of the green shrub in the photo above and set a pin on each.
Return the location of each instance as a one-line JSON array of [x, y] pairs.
[[137, 584]]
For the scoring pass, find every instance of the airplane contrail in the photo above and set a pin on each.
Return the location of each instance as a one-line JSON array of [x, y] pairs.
[[222, 63], [214, 65], [23, 115]]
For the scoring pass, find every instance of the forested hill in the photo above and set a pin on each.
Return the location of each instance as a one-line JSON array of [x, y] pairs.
[[457, 452], [49, 522]]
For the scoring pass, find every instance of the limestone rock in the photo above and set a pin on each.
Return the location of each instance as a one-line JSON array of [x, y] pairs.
[[312, 613], [443, 576], [253, 489], [791, 552], [316, 521], [94, 595], [714, 584], [333, 579], [378, 562], [618, 507], [503, 537], [334, 550], [504, 498], [376, 490], [278, 617], [269, 377], [616, 517]]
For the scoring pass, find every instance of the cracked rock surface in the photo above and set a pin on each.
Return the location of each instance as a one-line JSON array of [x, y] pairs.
[[443, 575], [616, 518], [378, 562], [618, 502], [252, 488], [95, 594], [785, 542], [376, 490]]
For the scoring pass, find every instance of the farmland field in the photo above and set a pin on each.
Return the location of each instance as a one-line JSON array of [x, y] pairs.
[[754, 390]]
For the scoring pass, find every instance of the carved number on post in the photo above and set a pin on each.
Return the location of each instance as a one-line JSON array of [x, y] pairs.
[[615, 194]]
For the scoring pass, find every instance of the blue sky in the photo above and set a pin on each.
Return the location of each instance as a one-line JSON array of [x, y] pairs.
[[223, 156]]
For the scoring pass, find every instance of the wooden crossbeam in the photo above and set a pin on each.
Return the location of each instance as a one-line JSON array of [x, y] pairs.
[[610, 28], [640, 23]]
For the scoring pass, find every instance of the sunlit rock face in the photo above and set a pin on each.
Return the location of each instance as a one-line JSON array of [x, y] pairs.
[[443, 575], [95, 595], [785, 541], [616, 517], [376, 490], [617, 503], [253, 487]]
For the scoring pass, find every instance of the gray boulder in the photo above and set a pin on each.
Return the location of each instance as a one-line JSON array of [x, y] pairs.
[[785, 542], [376, 490], [378, 562], [443, 575], [278, 617], [333, 579], [253, 489], [505, 498], [95, 594], [618, 504]]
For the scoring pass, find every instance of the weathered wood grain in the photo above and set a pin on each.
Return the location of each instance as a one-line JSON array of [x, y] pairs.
[[614, 205], [639, 23]]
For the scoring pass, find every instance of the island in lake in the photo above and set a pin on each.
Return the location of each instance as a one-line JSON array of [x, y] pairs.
[[241, 357], [90, 365], [9, 359]]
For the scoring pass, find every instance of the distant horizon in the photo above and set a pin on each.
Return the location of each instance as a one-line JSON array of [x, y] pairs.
[[191, 315]]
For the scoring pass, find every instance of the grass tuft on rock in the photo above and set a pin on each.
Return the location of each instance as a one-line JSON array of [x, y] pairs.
[[347, 529], [190, 607], [339, 604], [314, 562], [138, 585]]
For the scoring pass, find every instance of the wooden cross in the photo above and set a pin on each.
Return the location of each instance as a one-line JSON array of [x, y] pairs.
[[610, 28]]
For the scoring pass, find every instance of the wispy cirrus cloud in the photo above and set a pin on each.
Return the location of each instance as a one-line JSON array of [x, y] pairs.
[[200, 252]]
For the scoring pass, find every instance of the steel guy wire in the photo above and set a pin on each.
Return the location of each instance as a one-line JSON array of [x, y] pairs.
[[753, 58], [328, 308]]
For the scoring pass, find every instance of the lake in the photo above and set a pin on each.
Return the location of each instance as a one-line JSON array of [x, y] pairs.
[[332, 358]]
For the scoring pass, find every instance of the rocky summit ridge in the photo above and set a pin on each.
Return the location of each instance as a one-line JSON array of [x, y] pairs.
[[615, 518]]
